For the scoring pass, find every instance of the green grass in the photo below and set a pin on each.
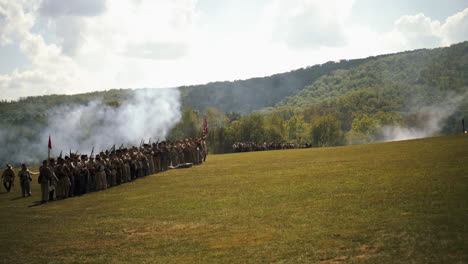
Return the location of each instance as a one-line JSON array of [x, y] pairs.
[[400, 202]]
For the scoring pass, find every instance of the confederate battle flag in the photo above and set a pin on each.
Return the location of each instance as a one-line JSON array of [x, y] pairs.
[[205, 127], [49, 147]]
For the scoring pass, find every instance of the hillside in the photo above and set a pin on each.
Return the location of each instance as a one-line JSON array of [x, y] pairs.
[[423, 91], [417, 73], [378, 203], [410, 78], [246, 96]]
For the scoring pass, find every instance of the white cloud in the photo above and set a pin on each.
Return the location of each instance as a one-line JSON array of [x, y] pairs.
[[419, 31], [57, 8], [66, 19], [157, 50], [163, 43], [455, 28], [305, 24], [48, 70]]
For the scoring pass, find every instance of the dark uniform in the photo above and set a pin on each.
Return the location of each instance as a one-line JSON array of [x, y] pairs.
[[8, 178]]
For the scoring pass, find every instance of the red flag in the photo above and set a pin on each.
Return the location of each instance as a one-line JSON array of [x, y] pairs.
[[49, 148]]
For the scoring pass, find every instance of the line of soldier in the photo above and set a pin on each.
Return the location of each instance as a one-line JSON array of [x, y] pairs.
[[79, 174], [252, 146]]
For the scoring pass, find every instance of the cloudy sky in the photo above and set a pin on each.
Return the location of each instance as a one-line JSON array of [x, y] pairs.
[[76, 46]]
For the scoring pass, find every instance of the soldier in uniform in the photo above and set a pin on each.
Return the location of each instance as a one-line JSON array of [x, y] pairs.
[[204, 150], [71, 175], [133, 166], [62, 172], [76, 170], [173, 154], [100, 173], [84, 174], [156, 158], [53, 181], [180, 153], [128, 175], [8, 177], [45, 176], [149, 157], [25, 177], [92, 180], [144, 165], [164, 157], [113, 170]]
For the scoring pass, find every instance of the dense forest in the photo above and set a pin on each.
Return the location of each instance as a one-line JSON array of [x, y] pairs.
[[387, 97]]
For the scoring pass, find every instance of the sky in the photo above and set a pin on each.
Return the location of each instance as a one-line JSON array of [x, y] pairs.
[[78, 46]]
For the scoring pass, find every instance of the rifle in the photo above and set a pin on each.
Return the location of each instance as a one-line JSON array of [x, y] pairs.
[[92, 151], [121, 146], [60, 154]]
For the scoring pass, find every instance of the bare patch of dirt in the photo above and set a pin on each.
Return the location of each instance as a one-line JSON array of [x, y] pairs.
[[362, 257], [371, 249]]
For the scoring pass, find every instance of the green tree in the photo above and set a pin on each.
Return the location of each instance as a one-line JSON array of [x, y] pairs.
[[326, 131], [215, 117], [251, 128], [189, 126]]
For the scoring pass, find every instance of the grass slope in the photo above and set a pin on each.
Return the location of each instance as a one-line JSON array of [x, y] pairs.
[[400, 202]]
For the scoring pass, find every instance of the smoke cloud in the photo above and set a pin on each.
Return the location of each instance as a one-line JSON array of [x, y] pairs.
[[431, 119], [148, 113]]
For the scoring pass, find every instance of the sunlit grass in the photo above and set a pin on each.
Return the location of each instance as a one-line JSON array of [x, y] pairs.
[[400, 202]]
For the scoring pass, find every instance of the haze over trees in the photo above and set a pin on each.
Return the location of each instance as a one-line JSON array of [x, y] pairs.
[[396, 96]]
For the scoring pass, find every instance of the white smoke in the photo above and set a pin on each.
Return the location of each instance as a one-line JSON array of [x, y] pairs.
[[147, 113], [432, 118]]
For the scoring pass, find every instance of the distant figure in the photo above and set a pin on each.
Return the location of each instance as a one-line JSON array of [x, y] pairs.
[[8, 177], [45, 175], [25, 177]]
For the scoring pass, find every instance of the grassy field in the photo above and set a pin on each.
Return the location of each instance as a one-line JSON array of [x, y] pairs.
[[400, 202]]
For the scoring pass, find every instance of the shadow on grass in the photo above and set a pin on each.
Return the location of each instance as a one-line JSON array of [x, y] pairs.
[[17, 198], [37, 203]]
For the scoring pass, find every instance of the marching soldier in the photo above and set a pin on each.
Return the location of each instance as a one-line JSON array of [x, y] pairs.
[[53, 181], [8, 177], [25, 177], [46, 175]]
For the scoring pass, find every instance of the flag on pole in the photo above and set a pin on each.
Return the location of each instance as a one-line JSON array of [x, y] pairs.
[[205, 127], [49, 147]]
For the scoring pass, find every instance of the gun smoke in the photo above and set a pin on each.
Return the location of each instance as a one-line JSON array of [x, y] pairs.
[[433, 118], [147, 113]]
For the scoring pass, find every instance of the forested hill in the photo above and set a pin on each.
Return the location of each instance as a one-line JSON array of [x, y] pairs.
[[400, 80], [246, 96], [416, 93], [408, 75], [411, 75]]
